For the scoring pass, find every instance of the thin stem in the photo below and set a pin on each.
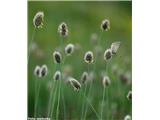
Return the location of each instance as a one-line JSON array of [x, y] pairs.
[[102, 103], [64, 107], [36, 102], [30, 45], [50, 99], [91, 107], [57, 111], [51, 95], [88, 96], [83, 104], [107, 104], [54, 100]]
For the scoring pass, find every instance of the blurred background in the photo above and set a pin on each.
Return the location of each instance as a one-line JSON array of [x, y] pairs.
[[83, 20]]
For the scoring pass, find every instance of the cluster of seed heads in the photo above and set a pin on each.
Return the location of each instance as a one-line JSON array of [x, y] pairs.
[[69, 49], [38, 20], [57, 75], [88, 57], [106, 81], [41, 71], [63, 29], [74, 83], [105, 25], [57, 57], [111, 51]]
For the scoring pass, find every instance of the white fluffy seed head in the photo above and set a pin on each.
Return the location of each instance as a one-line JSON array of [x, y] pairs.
[[57, 57], [115, 46], [37, 71], [105, 25], [44, 70], [88, 57], [127, 117], [74, 83], [38, 19], [57, 75], [129, 95], [84, 78], [69, 49], [106, 81], [63, 29], [107, 54]]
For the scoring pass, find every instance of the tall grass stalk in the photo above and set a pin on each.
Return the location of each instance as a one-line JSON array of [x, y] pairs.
[[93, 109], [51, 94], [103, 99], [30, 44], [53, 101], [36, 97]]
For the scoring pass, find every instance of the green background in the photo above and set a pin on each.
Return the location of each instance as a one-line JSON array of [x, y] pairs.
[[83, 19]]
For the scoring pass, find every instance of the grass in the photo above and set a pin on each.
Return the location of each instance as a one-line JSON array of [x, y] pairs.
[[83, 18]]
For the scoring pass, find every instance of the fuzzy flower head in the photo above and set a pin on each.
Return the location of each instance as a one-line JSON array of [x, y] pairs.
[[88, 57], [57, 57], [74, 83], [69, 49], [44, 70], [105, 25], [57, 75], [115, 46], [106, 81], [107, 54], [63, 29], [38, 20], [41, 71], [37, 71], [129, 95], [84, 77], [127, 117]]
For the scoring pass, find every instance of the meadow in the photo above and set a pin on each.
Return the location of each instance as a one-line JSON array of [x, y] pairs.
[[93, 100]]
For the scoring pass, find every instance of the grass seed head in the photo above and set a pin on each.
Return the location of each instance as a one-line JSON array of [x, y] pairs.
[[38, 20], [107, 54], [129, 95], [106, 81], [57, 75], [44, 70], [84, 78], [127, 117], [69, 49], [63, 29], [105, 25], [74, 83], [37, 71], [57, 57], [88, 57], [115, 46]]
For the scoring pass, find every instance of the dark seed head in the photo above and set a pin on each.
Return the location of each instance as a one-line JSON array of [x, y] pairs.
[[44, 70], [84, 77], [69, 49], [107, 54], [63, 29], [37, 71], [57, 57], [57, 75], [38, 19], [129, 95], [74, 83], [88, 57], [106, 81], [105, 25]]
